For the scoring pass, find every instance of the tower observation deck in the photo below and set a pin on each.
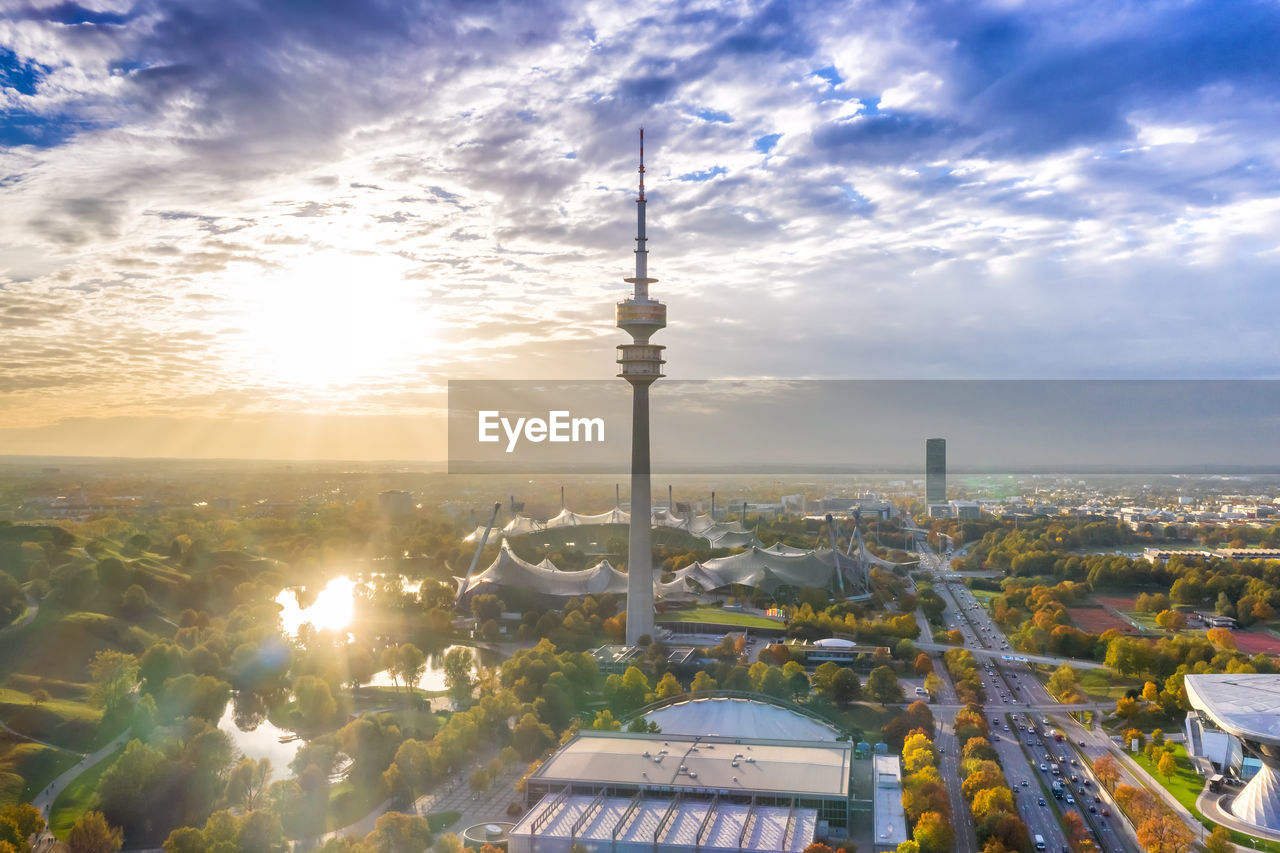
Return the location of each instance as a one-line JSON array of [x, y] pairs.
[[640, 316]]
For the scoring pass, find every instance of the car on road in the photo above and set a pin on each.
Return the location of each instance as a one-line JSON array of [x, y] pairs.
[[1093, 809], [1071, 801], [1024, 783], [1042, 802], [1106, 812], [1044, 768]]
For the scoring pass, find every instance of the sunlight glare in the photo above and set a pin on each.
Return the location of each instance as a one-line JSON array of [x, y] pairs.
[[332, 319], [331, 611]]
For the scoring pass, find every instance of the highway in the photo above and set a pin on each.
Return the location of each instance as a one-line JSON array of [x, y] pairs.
[[1015, 708]]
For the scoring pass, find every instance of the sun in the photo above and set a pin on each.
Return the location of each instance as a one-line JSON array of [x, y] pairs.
[[332, 319], [331, 611]]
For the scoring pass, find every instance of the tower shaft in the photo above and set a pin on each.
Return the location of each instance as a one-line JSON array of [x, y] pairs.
[[640, 316]]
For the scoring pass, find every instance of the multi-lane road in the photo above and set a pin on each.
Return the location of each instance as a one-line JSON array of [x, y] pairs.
[[1021, 734]]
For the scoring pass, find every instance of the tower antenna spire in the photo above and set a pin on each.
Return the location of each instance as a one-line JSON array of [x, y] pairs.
[[641, 165]]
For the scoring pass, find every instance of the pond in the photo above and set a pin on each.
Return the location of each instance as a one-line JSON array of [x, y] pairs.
[[334, 606], [256, 737], [433, 676]]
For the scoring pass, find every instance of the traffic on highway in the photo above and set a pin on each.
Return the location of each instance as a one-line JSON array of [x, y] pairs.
[[1042, 754]]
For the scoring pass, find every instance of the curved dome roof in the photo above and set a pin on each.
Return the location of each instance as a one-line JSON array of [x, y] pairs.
[[744, 718]]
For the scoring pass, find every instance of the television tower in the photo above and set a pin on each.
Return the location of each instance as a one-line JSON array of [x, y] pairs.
[[641, 363]]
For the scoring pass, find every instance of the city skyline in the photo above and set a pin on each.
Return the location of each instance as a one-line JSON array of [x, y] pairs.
[[241, 232]]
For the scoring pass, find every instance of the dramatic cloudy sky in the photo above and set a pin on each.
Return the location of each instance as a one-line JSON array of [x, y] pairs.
[[279, 227]]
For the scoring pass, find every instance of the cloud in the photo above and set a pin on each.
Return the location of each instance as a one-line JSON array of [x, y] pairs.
[[269, 206]]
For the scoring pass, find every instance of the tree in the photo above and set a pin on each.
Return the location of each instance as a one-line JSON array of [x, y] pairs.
[[979, 748], [1171, 620], [702, 683], [39, 696], [1167, 766], [668, 687], [396, 832], [933, 685], [917, 753], [1074, 827], [1063, 682], [92, 834], [315, 701], [924, 664], [114, 675], [1107, 771], [458, 667], [260, 832], [992, 801], [883, 687], [412, 663], [1164, 833], [604, 722], [933, 833], [247, 783], [531, 737], [24, 818], [448, 843], [908, 846], [1150, 692], [1221, 637], [1219, 841]]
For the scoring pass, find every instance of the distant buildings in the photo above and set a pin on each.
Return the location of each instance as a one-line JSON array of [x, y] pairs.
[[394, 503]]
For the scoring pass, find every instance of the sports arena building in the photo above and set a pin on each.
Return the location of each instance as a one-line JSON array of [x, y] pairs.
[[690, 789]]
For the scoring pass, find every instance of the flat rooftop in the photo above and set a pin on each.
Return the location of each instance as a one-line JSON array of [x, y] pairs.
[[766, 826], [1246, 705], [886, 783], [702, 763]]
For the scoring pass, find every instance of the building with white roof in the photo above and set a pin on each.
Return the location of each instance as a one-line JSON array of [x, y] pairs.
[[801, 785], [890, 817], [1247, 705], [644, 823]]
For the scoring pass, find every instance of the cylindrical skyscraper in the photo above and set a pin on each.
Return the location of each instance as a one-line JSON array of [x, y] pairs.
[[641, 363]]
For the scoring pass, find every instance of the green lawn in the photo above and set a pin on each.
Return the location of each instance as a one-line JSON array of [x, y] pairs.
[[78, 797], [442, 820], [60, 721], [719, 615], [38, 765], [348, 803], [1185, 785], [1103, 684]]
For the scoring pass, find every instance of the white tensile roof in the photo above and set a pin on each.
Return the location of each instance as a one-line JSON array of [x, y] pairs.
[[1246, 705], [508, 570]]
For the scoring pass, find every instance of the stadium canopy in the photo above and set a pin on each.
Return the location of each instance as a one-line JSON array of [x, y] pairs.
[[508, 570]]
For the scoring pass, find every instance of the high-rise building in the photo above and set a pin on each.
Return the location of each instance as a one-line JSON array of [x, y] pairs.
[[641, 363], [935, 471]]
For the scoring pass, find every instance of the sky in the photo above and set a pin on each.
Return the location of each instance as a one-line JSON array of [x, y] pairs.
[[279, 228]]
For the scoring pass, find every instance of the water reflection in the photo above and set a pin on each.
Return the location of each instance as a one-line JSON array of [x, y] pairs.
[[334, 606], [433, 678], [261, 739]]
